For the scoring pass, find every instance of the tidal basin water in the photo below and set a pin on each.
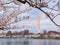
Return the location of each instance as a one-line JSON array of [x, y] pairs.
[[25, 41]]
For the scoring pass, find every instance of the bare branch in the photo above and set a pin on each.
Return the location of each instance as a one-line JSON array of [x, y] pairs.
[[55, 16], [44, 12]]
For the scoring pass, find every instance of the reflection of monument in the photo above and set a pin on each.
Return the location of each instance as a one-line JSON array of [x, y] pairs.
[[38, 42], [38, 23]]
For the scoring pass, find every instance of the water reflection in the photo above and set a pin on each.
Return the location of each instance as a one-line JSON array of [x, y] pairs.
[[8, 43], [29, 42], [21, 43], [38, 42], [15, 42]]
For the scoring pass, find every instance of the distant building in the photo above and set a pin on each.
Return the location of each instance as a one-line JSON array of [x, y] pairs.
[[2, 34], [26, 32], [53, 34]]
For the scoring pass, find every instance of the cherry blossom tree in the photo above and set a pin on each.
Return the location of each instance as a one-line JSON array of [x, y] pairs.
[[52, 5], [40, 4]]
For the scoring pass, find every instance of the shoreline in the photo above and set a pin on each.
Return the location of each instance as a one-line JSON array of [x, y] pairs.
[[31, 38]]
